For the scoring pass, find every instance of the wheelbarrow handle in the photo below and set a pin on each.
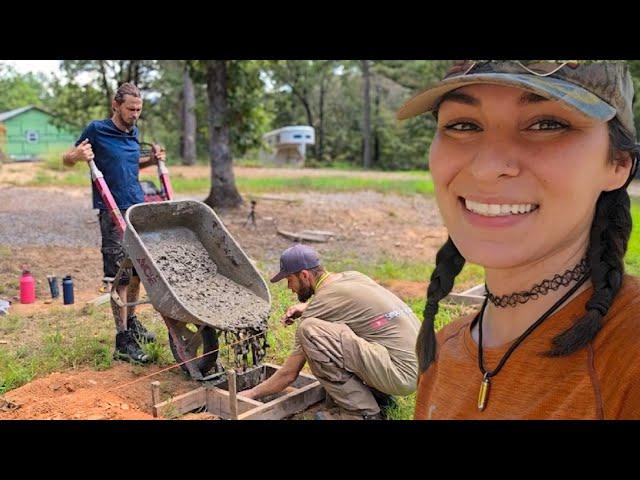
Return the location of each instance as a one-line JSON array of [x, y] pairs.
[[163, 175], [98, 180]]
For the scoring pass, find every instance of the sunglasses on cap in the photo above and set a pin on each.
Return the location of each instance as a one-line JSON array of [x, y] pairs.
[[533, 67]]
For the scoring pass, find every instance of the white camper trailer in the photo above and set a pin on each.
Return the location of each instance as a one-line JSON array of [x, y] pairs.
[[287, 146]]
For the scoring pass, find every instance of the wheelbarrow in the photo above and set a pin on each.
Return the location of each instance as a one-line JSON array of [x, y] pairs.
[[188, 328]]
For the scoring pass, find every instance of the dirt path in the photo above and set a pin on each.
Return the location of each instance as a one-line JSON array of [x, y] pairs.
[[49, 217], [55, 231]]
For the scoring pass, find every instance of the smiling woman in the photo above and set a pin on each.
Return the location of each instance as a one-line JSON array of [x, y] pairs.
[[530, 164]]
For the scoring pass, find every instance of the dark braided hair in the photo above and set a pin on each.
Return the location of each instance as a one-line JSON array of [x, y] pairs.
[[608, 241], [449, 263], [126, 88]]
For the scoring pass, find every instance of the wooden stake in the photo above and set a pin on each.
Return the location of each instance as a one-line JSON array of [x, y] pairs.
[[155, 397], [233, 401]]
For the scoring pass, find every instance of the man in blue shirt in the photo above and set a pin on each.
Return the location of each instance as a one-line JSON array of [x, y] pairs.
[[114, 145]]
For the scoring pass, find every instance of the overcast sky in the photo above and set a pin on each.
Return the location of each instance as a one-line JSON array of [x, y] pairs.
[[26, 66]]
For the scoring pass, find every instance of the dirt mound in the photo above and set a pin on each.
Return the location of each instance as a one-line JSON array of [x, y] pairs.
[[92, 395], [406, 288]]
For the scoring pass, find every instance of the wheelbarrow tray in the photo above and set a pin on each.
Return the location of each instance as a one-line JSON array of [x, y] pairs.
[[147, 220]]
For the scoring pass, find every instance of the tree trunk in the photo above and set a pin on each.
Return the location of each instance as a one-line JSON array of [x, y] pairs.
[[105, 86], [305, 103], [136, 73], [121, 72], [376, 128], [366, 117], [223, 191], [320, 149], [189, 119], [130, 70]]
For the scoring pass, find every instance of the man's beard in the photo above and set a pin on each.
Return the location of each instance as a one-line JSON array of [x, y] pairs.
[[125, 123], [305, 293]]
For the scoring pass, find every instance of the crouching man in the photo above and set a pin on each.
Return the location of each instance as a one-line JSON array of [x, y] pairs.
[[358, 338]]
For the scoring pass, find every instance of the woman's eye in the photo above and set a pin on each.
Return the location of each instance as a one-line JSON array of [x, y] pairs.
[[547, 125], [462, 126]]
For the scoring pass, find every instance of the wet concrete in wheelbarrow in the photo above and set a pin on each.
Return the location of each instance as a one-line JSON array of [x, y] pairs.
[[194, 277]]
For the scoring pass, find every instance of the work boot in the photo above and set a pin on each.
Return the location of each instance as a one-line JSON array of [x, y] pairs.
[[385, 401], [127, 348], [140, 333], [342, 414]]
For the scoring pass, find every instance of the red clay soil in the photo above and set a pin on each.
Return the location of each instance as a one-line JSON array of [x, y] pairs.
[[406, 288], [92, 395]]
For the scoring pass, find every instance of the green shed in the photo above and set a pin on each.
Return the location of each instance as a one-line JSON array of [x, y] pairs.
[[27, 133]]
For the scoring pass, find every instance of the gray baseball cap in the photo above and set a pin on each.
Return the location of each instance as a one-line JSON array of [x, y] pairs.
[[296, 258], [598, 89]]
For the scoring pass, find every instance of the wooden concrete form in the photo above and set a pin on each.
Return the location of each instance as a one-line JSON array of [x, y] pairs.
[[224, 401]]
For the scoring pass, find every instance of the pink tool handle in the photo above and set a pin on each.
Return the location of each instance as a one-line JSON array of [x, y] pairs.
[[107, 198]]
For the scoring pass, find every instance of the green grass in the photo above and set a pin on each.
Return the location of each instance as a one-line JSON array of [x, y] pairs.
[[183, 185], [250, 162], [335, 184], [280, 337], [159, 351], [53, 161], [77, 176], [336, 165], [73, 178], [11, 323], [632, 259], [257, 185], [404, 408], [14, 371], [387, 269], [61, 340], [58, 341]]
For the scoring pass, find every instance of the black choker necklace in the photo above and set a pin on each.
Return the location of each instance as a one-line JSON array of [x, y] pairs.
[[486, 379], [541, 288]]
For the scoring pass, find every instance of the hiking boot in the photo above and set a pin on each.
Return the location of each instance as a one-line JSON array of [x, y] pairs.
[[140, 333], [342, 414], [127, 348], [385, 401]]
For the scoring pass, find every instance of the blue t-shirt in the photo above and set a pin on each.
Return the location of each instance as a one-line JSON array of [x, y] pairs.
[[117, 156]]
